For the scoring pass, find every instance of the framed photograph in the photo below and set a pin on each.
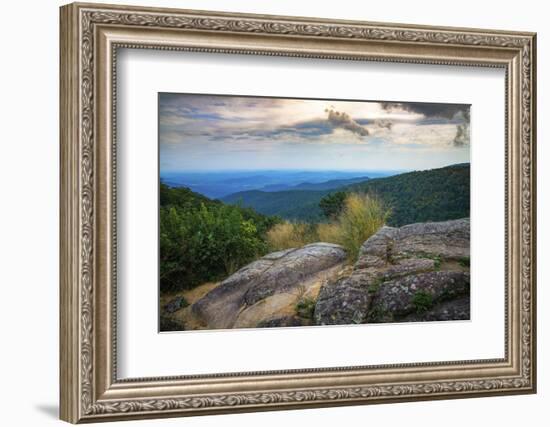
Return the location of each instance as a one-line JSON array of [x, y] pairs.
[[266, 212]]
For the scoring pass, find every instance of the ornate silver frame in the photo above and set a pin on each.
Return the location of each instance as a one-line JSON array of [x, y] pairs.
[[90, 36]]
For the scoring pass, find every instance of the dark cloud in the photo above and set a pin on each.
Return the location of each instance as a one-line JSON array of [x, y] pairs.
[[429, 110], [343, 120], [459, 113], [462, 136]]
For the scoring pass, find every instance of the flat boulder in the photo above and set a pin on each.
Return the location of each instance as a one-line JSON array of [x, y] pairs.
[[264, 291], [446, 239]]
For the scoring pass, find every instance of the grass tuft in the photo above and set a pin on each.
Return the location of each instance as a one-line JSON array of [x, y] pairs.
[[361, 217], [305, 308], [422, 301], [290, 235]]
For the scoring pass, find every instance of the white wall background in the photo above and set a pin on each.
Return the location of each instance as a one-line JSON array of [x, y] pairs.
[[29, 170]]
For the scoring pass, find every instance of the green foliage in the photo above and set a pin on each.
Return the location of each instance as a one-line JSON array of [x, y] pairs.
[[436, 259], [373, 288], [375, 285], [203, 240], [332, 204], [422, 301], [183, 198], [464, 261], [305, 308]]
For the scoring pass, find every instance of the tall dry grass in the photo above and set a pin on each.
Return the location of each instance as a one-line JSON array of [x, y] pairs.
[[361, 217], [329, 232], [290, 235]]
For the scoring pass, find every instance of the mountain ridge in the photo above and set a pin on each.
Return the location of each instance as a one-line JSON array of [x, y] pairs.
[[218, 184], [434, 194], [325, 185]]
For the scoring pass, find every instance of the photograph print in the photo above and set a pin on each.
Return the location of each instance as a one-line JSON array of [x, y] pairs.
[[285, 212]]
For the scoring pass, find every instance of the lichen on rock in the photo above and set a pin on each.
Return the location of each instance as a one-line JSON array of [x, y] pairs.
[[412, 273]]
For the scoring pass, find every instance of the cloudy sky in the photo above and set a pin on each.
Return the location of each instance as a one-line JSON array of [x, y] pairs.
[[208, 132]]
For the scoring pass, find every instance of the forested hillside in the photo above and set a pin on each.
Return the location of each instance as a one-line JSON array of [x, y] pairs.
[[432, 195], [294, 205]]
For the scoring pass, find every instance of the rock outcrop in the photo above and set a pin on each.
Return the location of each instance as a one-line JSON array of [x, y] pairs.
[[265, 292], [418, 272]]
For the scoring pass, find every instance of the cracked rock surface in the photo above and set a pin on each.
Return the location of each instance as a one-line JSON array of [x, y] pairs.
[[419, 272]]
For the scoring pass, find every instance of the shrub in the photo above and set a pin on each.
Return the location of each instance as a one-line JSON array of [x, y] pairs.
[[204, 244], [305, 308], [204, 240], [332, 204], [362, 216]]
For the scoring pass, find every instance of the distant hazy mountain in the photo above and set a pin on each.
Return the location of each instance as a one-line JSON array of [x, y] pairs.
[[218, 184], [431, 195], [317, 186]]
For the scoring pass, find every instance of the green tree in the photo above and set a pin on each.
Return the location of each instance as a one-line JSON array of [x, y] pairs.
[[332, 204]]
